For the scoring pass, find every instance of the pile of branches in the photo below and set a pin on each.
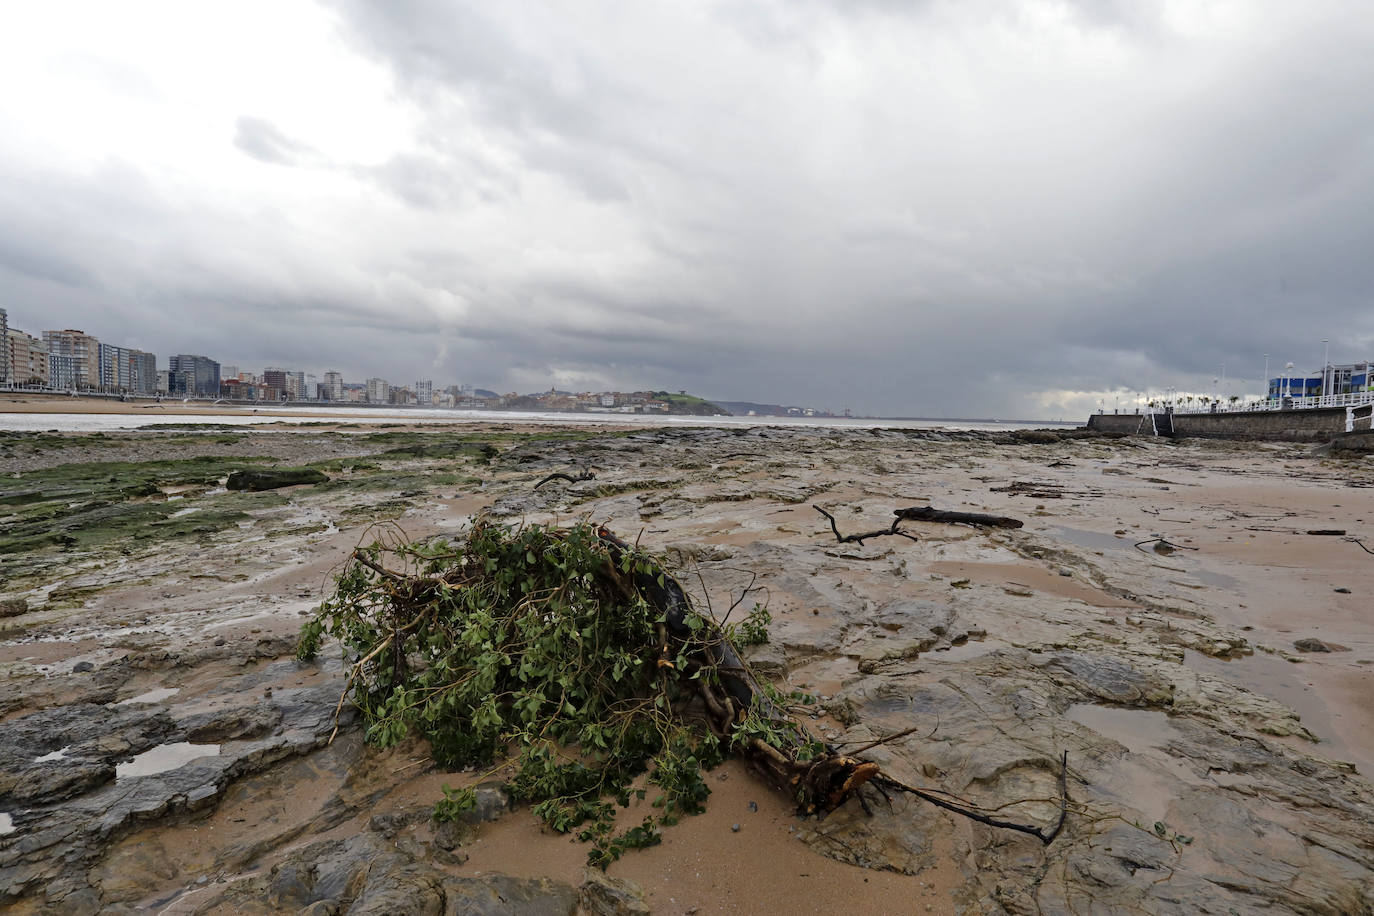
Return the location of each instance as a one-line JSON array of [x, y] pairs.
[[576, 660]]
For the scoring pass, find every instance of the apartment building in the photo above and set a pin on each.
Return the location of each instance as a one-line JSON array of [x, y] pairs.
[[26, 359], [193, 376], [77, 357]]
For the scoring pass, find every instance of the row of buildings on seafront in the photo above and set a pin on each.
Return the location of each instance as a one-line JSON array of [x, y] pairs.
[[73, 361]]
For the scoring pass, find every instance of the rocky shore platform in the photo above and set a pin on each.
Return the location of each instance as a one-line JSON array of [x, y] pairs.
[[1188, 620]]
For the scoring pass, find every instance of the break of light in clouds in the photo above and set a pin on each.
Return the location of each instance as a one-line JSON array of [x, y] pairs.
[[939, 208]]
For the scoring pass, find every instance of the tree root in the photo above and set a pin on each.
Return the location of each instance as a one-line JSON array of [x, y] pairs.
[[1045, 835]]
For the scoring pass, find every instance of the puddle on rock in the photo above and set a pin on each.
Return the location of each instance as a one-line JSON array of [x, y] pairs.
[[1219, 580], [6, 824], [1093, 540], [152, 696], [55, 755], [1272, 676], [963, 652], [1136, 729], [164, 757]]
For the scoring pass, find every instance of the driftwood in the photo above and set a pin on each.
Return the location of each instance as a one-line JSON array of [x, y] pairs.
[[928, 514], [1033, 490], [921, 514], [570, 478]]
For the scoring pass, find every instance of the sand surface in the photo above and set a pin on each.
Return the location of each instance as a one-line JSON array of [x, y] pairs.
[[1083, 571]]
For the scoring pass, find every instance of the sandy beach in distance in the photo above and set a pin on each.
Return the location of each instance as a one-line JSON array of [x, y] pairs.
[[172, 407], [1165, 616]]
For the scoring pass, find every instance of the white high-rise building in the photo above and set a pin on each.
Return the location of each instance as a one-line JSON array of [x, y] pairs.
[[424, 393], [378, 391], [333, 386]]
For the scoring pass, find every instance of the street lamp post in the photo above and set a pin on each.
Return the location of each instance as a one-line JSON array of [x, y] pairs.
[[1266, 376], [1326, 366]]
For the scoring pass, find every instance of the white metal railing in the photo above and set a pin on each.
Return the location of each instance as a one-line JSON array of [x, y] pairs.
[[1353, 399]]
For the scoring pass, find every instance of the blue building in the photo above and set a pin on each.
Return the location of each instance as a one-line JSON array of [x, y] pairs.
[[1352, 378]]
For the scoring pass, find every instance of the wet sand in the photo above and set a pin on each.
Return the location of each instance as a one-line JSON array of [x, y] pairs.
[[172, 407], [1075, 573]]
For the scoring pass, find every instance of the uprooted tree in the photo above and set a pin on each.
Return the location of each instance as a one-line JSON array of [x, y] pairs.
[[577, 660]]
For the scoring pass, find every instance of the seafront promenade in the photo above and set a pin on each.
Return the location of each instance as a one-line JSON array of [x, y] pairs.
[[1293, 424]]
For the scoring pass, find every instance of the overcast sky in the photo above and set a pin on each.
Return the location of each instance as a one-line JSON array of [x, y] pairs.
[[936, 207]]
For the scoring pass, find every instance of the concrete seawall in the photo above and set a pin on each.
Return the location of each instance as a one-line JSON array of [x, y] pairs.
[[1318, 424]]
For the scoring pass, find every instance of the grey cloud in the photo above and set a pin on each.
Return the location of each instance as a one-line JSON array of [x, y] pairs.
[[21, 257], [892, 207], [265, 142], [420, 181]]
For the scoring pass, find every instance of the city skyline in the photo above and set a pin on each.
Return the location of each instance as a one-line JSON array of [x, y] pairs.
[[82, 362], [126, 370]]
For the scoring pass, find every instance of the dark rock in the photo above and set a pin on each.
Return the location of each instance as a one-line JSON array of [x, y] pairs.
[[13, 607], [492, 803], [1310, 644], [602, 895], [389, 823], [75, 806], [56, 780], [231, 724], [449, 835], [363, 874], [82, 667], [95, 738], [272, 478], [768, 660], [502, 895]]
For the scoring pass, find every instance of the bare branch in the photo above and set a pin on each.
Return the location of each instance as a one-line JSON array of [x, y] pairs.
[[860, 538]]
